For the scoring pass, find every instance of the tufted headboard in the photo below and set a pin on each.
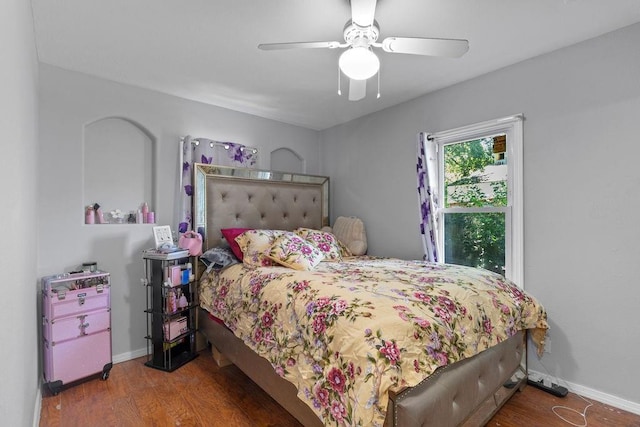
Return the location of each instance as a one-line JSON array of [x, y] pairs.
[[227, 197]]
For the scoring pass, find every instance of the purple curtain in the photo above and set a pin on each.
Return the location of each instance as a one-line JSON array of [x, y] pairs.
[[426, 169], [202, 150]]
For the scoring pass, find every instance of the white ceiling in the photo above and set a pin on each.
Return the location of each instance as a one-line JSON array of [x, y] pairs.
[[206, 50]]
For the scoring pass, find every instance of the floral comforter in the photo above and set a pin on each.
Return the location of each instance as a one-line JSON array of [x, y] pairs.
[[347, 332]]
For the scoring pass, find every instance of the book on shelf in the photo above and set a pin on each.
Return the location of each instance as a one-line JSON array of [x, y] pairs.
[[164, 254]]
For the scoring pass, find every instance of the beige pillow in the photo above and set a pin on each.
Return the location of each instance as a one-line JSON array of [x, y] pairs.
[[350, 232]]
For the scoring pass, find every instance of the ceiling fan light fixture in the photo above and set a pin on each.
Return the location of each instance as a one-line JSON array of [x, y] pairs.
[[359, 63]]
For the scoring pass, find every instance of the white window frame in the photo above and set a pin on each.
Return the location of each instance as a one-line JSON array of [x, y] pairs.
[[514, 211]]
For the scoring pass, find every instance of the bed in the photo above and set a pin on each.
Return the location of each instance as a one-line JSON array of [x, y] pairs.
[[316, 339]]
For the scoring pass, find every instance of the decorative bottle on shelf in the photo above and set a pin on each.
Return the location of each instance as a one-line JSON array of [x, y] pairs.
[[145, 212], [172, 303], [99, 217], [182, 301], [89, 215]]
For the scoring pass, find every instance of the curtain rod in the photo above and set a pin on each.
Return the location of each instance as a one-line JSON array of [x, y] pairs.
[[461, 130]]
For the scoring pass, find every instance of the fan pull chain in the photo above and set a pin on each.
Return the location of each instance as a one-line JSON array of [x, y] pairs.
[[339, 91], [378, 96]]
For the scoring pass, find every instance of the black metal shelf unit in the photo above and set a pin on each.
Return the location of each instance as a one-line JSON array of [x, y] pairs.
[[171, 311]]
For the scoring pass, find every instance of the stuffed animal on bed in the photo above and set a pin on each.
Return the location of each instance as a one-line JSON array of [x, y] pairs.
[[350, 232]]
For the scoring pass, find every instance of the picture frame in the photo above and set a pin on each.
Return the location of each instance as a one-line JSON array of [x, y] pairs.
[[162, 235]]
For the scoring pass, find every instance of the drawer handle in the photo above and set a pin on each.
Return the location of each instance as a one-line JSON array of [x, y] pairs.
[[83, 325], [82, 328]]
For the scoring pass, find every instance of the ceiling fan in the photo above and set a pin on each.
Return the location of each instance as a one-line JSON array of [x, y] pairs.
[[361, 32]]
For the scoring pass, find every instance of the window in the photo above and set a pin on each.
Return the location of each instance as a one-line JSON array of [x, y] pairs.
[[480, 220]]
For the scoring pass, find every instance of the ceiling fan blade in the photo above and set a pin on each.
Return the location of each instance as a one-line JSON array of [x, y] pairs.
[[297, 45], [363, 12], [452, 48], [357, 89]]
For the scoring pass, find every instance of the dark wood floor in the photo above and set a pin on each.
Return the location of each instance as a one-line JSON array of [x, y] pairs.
[[201, 394]]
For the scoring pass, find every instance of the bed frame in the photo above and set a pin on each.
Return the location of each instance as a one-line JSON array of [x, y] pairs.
[[466, 393]]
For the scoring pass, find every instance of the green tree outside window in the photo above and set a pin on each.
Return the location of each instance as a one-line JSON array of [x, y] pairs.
[[474, 178]]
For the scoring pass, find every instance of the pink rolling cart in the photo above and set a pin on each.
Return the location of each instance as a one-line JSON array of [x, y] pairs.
[[76, 327]]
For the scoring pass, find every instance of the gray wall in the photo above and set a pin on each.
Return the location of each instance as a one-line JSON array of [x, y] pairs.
[[582, 194], [70, 100], [18, 160]]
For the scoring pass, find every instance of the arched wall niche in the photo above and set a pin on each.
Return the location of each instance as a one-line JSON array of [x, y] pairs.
[[119, 164], [286, 160]]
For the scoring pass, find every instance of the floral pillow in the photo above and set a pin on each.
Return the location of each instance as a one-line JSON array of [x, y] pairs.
[[294, 252], [255, 246], [326, 242]]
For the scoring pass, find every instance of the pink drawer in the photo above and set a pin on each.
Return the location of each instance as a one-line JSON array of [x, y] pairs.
[[77, 302], [76, 326], [78, 358]]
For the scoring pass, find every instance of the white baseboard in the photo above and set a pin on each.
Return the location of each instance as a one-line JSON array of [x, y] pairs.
[[589, 393], [123, 357]]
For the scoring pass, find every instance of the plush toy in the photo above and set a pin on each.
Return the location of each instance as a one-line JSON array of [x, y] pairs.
[[350, 232], [538, 336]]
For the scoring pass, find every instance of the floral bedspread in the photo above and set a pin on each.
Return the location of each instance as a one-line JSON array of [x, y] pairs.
[[347, 332]]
